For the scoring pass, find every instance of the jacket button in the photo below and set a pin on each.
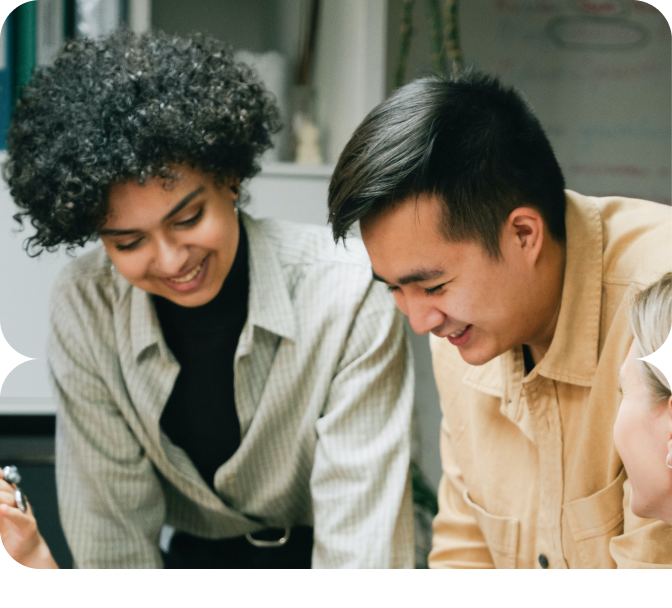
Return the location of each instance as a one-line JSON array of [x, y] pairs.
[[543, 561]]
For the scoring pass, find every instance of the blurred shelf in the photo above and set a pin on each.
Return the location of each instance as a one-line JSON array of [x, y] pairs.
[[33, 406], [294, 170]]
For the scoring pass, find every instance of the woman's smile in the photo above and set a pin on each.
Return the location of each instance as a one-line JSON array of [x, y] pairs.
[[190, 281]]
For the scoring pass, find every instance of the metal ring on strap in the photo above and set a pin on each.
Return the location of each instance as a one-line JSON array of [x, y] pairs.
[[12, 477], [268, 543]]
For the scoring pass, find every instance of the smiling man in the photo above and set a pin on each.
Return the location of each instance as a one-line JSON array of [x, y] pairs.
[[525, 287]]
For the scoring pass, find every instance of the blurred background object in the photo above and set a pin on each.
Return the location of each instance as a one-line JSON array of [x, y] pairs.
[[272, 69]]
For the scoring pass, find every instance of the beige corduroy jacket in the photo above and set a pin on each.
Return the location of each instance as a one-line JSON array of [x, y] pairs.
[[531, 476]]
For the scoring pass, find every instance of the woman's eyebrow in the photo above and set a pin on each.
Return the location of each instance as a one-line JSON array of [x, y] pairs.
[[183, 203], [176, 209]]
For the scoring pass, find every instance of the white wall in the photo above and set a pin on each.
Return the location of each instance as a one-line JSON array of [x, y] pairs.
[[596, 73]]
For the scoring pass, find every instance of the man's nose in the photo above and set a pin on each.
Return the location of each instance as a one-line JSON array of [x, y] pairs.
[[423, 316]]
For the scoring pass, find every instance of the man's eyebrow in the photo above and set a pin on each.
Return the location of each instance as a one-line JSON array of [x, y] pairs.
[[176, 209], [415, 277], [377, 278]]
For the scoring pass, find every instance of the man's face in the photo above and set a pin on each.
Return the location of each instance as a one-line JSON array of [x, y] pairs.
[[455, 289], [174, 239]]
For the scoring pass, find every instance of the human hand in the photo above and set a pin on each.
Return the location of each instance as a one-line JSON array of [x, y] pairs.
[[19, 533]]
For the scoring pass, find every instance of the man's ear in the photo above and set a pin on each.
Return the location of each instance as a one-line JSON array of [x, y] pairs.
[[526, 226]]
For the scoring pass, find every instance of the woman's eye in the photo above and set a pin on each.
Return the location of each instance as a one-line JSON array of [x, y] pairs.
[[392, 288], [192, 220], [127, 247]]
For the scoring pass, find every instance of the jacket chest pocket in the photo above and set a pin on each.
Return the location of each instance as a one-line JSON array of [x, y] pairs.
[[500, 532], [588, 524]]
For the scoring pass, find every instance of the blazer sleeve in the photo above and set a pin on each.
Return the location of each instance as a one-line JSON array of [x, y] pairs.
[[110, 499], [360, 483]]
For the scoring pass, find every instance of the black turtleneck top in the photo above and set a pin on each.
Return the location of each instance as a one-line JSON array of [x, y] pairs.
[[200, 415]]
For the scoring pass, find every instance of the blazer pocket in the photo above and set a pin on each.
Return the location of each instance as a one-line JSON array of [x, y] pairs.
[[588, 524], [500, 532]]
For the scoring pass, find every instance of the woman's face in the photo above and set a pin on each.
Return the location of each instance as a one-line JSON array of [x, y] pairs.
[[642, 435], [175, 239]]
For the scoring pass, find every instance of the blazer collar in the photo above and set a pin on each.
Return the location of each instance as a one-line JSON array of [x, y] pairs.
[[270, 305]]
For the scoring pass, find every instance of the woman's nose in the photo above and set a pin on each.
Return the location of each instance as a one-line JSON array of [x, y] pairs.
[[170, 258]]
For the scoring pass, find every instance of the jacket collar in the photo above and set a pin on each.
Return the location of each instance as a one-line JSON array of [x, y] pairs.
[[573, 354], [270, 305]]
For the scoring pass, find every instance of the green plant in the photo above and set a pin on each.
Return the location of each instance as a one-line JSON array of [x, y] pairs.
[[446, 51]]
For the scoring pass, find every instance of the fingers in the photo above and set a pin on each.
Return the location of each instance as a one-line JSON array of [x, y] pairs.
[[7, 496], [15, 516], [8, 492]]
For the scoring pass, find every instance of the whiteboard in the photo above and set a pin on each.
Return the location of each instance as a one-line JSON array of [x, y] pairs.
[[597, 74]]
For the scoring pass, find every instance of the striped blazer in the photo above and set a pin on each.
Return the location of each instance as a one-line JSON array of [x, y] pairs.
[[323, 382]]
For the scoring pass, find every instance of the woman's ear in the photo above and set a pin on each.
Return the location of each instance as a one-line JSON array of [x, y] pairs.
[[234, 184]]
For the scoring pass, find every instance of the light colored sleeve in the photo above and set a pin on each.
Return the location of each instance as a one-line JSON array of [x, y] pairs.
[[110, 499], [360, 483], [645, 543], [457, 541]]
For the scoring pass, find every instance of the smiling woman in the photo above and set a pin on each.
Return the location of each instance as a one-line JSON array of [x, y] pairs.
[[643, 429], [210, 369]]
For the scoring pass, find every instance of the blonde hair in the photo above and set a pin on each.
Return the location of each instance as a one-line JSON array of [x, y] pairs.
[[651, 320]]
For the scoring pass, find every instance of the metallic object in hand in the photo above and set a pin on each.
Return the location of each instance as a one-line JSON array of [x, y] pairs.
[[20, 499], [12, 476]]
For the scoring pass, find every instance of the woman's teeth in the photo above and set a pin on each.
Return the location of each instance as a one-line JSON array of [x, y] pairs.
[[188, 277], [457, 334]]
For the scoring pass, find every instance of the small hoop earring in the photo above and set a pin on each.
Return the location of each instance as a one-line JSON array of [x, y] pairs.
[[667, 462]]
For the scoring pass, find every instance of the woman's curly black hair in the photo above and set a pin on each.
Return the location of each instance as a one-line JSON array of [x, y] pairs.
[[124, 107]]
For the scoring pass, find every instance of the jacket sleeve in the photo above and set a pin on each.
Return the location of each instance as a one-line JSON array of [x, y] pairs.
[[110, 499], [360, 483], [457, 541]]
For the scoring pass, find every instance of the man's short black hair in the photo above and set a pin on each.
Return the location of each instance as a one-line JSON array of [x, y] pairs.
[[471, 141], [120, 108]]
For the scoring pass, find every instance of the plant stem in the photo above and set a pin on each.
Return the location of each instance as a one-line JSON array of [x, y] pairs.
[[406, 34], [451, 33], [436, 22]]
